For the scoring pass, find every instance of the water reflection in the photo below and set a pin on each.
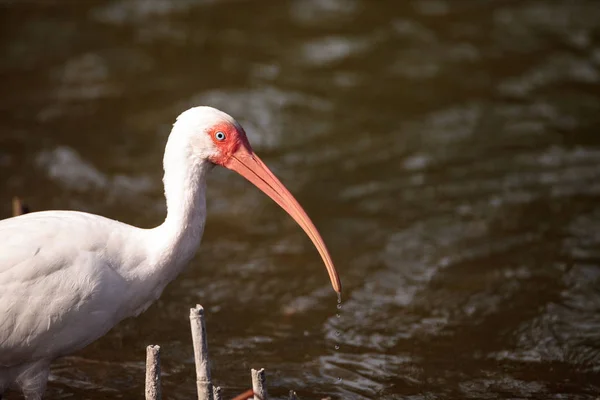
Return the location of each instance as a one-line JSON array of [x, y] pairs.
[[447, 151]]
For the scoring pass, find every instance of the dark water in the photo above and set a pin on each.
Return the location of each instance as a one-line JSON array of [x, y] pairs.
[[448, 151]]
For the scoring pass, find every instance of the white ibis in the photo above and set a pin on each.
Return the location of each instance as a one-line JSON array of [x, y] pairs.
[[66, 278]]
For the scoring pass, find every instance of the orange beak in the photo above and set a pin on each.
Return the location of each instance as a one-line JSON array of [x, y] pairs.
[[246, 163]]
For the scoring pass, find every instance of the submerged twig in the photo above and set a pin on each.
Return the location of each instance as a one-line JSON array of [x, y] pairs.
[[248, 394]]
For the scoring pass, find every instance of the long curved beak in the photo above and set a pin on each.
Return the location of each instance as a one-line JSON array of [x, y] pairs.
[[247, 164]]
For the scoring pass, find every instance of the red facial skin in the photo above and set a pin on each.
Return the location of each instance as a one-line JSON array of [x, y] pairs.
[[234, 138], [235, 153]]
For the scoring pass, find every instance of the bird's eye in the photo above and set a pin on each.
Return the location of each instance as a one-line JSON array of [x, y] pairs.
[[220, 136]]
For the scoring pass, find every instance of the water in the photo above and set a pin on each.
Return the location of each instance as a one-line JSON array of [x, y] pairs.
[[447, 151]]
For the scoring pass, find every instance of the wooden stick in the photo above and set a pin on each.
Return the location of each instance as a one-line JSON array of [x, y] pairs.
[[153, 389], [203, 381], [216, 393], [259, 384]]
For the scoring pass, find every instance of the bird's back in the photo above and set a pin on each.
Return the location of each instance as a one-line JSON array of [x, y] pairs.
[[60, 283]]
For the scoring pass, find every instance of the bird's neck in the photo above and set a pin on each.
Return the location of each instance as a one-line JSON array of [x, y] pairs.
[[176, 240]]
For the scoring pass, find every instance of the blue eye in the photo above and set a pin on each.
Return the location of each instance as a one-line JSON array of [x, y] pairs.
[[220, 136]]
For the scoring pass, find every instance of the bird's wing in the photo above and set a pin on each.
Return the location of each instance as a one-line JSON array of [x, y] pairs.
[[58, 291], [23, 238]]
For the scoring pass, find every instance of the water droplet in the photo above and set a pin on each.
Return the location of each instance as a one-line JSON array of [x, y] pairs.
[[337, 347], [337, 333], [339, 298], [338, 315], [339, 306], [339, 378]]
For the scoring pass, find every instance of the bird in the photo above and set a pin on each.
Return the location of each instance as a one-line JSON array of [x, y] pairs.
[[68, 277]]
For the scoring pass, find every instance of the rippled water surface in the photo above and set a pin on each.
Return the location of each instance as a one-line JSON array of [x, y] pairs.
[[448, 151]]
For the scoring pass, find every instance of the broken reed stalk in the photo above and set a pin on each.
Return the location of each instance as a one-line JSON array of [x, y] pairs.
[[153, 389], [216, 393], [203, 381], [206, 390], [18, 207], [259, 384]]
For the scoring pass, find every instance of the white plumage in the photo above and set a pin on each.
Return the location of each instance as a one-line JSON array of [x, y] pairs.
[[66, 278]]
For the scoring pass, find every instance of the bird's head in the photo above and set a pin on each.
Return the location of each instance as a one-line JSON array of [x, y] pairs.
[[216, 137]]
